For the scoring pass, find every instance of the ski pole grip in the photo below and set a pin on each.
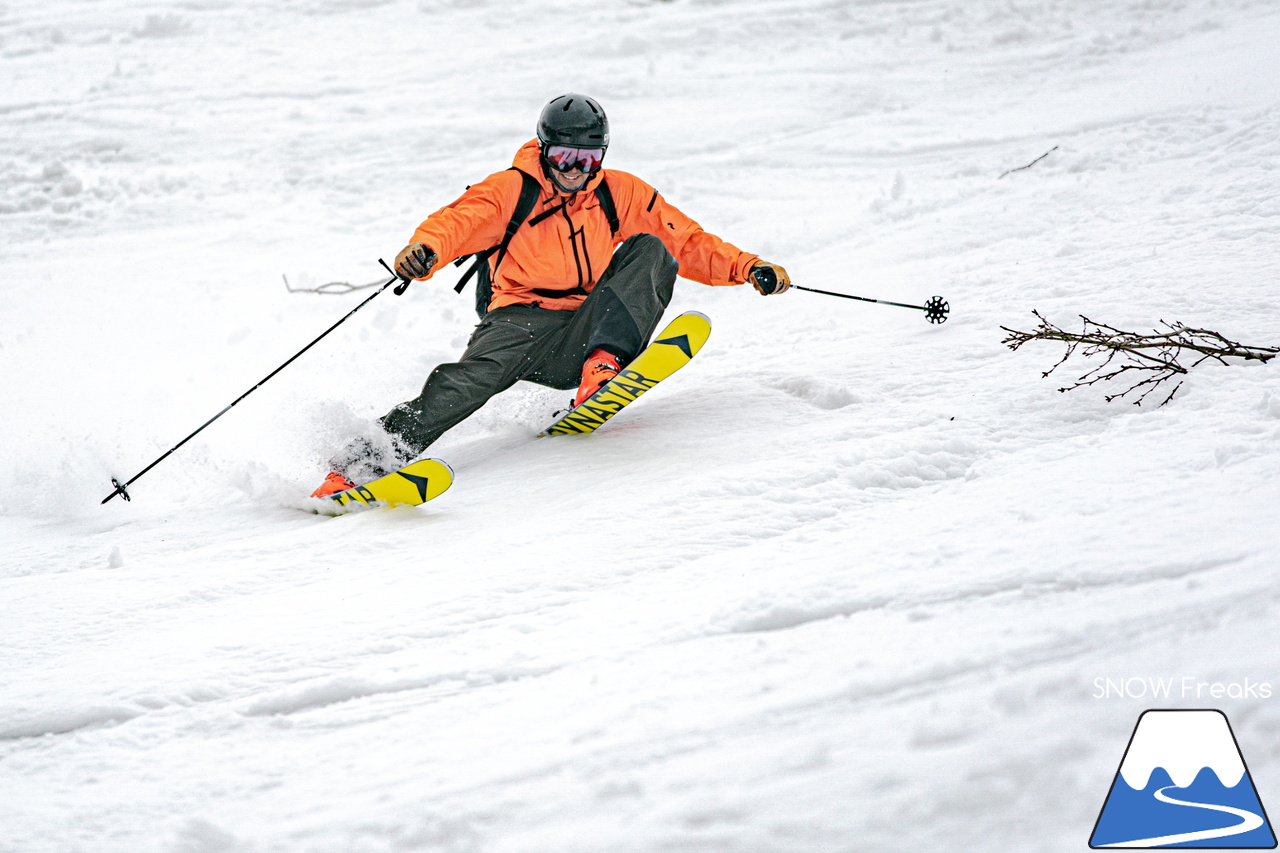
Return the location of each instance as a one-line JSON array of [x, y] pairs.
[[766, 279], [405, 282]]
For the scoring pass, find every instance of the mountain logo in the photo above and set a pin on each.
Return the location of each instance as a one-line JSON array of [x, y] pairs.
[[1182, 783]]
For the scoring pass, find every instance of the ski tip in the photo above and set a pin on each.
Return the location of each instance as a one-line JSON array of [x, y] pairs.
[[441, 462]]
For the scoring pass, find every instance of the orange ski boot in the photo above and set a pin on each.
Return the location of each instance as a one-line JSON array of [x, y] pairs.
[[600, 367], [333, 484]]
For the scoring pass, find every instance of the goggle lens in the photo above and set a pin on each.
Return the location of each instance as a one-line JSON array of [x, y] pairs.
[[563, 158]]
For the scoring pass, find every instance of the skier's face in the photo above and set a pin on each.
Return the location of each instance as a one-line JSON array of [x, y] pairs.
[[572, 180]]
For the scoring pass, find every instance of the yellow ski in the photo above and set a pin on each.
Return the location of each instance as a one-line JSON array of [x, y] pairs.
[[671, 350], [415, 483]]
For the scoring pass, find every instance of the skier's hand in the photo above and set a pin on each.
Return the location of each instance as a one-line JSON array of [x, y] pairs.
[[415, 261], [769, 279]]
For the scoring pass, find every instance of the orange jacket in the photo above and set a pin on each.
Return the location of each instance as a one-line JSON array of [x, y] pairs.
[[569, 251]]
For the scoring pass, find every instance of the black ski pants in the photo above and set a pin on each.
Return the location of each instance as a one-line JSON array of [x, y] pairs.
[[544, 346]]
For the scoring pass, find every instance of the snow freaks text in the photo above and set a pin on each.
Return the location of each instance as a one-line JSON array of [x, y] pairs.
[[1185, 687]]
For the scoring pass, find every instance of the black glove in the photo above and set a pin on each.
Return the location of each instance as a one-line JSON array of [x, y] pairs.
[[769, 279], [415, 261]]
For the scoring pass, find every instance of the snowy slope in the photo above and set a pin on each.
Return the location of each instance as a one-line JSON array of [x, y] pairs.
[[862, 572]]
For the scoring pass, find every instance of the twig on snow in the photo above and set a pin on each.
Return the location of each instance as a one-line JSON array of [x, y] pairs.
[[333, 288], [1150, 359], [1032, 163]]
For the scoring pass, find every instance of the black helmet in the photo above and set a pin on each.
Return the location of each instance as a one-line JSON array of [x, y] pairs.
[[573, 120]]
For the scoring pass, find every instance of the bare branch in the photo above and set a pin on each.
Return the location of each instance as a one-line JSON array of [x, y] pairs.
[[1148, 359], [333, 288], [1032, 163]]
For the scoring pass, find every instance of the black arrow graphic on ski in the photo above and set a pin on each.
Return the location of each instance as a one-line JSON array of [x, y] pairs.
[[682, 341], [420, 482]]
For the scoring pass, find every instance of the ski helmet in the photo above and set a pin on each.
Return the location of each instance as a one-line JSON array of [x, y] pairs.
[[574, 120]]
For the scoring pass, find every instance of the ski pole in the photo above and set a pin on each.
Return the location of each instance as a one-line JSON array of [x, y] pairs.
[[935, 309], [121, 488]]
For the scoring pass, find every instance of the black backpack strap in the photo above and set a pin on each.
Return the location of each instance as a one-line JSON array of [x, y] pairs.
[[524, 206], [481, 258], [549, 212], [605, 196]]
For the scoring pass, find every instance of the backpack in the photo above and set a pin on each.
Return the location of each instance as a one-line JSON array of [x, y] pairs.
[[524, 206]]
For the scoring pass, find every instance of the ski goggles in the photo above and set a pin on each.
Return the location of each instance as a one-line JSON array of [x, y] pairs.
[[563, 158]]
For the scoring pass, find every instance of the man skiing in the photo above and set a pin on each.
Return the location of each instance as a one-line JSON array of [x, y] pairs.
[[567, 298]]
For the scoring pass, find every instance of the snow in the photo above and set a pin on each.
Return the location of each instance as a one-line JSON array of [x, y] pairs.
[[848, 581]]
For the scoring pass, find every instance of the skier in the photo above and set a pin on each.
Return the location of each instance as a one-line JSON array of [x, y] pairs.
[[558, 304]]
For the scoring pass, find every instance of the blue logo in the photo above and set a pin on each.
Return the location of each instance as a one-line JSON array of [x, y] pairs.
[[1183, 783]]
